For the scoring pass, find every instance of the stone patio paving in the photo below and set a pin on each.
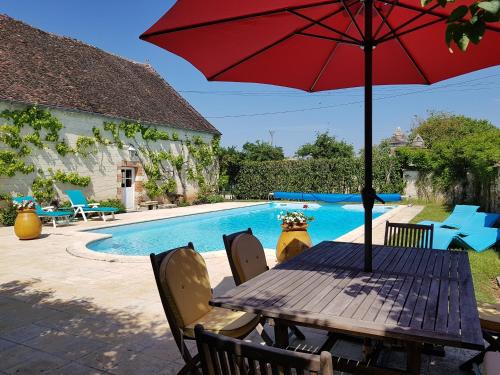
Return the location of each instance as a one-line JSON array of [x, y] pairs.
[[63, 314]]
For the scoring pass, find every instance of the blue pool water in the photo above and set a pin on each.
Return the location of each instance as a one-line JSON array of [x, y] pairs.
[[206, 230]]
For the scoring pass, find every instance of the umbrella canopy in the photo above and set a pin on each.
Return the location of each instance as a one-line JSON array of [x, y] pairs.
[[316, 45]]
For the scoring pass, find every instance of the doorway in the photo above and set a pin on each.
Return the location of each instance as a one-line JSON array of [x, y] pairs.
[[128, 188]]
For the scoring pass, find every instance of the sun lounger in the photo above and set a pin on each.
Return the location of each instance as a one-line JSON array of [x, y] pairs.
[[473, 231], [477, 233], [81, 206], [47, 212], [460, 215]]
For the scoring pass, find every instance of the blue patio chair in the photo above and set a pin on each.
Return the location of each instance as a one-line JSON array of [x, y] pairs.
[[460, 215], [82, 206], [46, 212], [478, 233]]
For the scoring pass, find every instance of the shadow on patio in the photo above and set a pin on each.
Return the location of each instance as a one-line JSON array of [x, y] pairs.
[[40, 333]]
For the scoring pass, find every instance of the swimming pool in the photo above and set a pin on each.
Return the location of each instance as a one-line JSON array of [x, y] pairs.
[[206, 230]]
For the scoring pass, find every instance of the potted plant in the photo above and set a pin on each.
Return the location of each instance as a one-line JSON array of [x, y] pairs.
[[294, 238], [27, 225]]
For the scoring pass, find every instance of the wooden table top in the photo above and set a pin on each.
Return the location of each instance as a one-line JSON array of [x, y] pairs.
[[412, 294]]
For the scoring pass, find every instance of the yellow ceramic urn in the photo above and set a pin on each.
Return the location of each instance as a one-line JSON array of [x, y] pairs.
[[27, 225], [293, 240]]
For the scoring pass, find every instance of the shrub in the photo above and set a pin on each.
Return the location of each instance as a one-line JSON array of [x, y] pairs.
[[116, 203], [343, 175], [209, 198], [8, 215]]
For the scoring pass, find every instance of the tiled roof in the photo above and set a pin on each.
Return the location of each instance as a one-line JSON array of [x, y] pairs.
[[47, 69]]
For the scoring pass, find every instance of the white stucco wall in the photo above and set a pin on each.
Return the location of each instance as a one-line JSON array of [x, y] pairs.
[[101, 167]]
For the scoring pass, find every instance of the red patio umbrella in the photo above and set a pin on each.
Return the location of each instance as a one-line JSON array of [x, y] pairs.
[[316, 45]]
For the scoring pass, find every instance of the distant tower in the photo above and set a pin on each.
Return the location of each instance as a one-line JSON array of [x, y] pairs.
[[271, 133], [418, 142], [398, 139]]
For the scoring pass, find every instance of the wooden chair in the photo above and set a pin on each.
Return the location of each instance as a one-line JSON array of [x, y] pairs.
[[247, 259], [184, 287], [489, 317], [408, 235], [228, 356]]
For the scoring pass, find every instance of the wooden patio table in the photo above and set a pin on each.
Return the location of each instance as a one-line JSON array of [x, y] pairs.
[[413, 296]]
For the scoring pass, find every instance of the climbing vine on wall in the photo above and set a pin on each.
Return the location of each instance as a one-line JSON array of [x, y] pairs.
[[195, 160]]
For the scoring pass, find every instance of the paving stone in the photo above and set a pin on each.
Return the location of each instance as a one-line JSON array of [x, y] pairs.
[[23, 334], [6, 344], [64, 345], [15, 355], [38, 363], [138, 364], [74, 368]]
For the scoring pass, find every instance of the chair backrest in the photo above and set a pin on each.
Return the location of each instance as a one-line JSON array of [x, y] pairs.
[[228, 356], [183, 284], [245, 254], [409, 235], [77, 198], [460, 215]]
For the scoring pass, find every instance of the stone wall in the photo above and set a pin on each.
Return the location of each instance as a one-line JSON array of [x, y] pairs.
[[420, 187], [103, 167]]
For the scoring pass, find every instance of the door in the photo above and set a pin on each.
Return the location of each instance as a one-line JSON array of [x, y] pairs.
[[128, 188]]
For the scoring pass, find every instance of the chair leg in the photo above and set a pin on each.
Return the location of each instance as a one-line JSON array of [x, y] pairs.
[[262, 332], [103, 216], [297, 332], [54, 222]]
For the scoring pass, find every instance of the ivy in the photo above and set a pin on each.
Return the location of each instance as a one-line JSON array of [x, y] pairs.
[[72, 178], [99, 138], [162, 168], [43, 189], [115, 132], [10, 164], [85, 146], [64, 149]]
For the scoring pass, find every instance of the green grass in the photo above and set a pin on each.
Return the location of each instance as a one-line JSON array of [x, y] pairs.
[[485, 265]]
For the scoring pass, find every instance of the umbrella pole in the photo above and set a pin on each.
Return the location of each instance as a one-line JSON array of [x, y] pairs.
[[368, 193]]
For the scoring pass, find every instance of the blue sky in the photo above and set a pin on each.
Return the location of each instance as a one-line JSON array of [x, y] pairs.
[[115, 25]]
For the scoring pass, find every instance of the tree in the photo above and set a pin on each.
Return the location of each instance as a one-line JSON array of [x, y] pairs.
[[230, 160], [326, 147], [262, 151], [441, 125], [457, 147], [468, 23]]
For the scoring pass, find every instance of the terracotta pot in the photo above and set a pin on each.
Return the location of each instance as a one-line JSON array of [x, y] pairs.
[[293, 241], [27, 225]]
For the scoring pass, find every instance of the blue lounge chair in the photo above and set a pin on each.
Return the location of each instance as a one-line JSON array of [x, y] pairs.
[[474, 232], [460, 215], [81, 205], [46, 212], [478, 233]]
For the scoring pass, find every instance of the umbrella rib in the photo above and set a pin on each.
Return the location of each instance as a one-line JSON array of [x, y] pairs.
[[333, 39], [269, 46], [414, 62], [353, 19], [325, 26], [388, 14], [413, 19], [236, 18], [320, 74], [395, 35]]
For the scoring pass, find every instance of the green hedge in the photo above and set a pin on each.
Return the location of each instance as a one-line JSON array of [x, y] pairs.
[[257, 179]]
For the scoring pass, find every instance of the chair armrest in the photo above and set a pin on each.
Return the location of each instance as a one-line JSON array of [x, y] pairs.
[[48, 208], [94, 204]]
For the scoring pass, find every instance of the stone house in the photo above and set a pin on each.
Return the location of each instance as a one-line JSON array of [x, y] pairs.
[[84, 87]]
